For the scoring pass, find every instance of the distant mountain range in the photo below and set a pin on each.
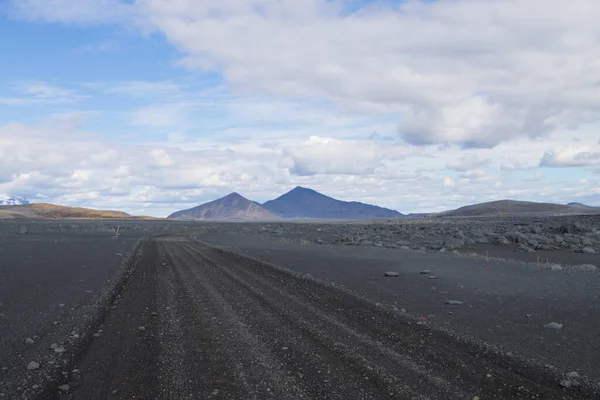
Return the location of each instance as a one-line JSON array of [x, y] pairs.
[[229, 208], [10, 200], [519, 208], [299, 203]]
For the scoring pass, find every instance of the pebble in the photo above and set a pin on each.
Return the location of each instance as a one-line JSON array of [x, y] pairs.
[[566, 383], [573, 375], [553, 325], [53, 346], [391, 273], [59, 350], [64, 388], [35, 387], [96, 334], [454, 302], [432, 277], [33, 366], [29, 341], [141, 328], [75, 371]]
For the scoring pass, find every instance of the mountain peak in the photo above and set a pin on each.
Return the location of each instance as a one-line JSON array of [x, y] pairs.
[[231, 207], [301, 202], [10, 200]]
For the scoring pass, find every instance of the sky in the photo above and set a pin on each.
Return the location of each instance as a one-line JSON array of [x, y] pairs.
[[152, 106]]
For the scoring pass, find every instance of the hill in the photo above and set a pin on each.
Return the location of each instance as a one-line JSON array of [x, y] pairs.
[[50, 211], [519, 208], [233, 207], [306, 203]]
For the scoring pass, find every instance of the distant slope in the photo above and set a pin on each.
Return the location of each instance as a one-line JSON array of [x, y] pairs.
[[229, 208], [306, 203], [518, 208], [43, 210]]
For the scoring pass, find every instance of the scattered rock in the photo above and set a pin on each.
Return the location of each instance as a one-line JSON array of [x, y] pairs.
[[526, 249], [553, 325], [566, 383], [64, 388], [319, 241], [425, 272], [588, 250], [573, 375], [555, 267], [33, 366], [29, 341], [23, 230], [454, 302], [585, 268], [391, 273]]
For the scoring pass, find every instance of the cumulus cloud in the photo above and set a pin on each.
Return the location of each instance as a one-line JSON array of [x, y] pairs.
[[478, 73], [467, 162], [572, 156]]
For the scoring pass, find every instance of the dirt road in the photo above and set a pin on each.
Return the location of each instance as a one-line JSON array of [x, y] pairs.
[[197, 322]]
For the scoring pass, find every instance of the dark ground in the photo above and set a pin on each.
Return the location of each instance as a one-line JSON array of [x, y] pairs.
[[220, 325]]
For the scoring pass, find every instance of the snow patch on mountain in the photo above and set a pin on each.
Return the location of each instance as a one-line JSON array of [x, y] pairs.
[[9, 200]]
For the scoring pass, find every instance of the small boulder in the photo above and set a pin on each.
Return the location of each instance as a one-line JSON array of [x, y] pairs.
[[29, 341], [32, 366], [553, 325], [425, 272], [391, 274]]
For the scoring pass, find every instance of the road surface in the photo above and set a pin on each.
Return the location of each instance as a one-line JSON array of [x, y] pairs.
[[196, 322]]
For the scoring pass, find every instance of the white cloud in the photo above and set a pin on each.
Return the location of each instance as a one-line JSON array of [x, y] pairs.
[[467, 162], [39, 92], [476, 73], [73, 11], [449, 182], [572, 156]]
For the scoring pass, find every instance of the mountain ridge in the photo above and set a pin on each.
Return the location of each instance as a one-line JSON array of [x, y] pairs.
[[509, 207], [232, 207], [306, 203], [11, 200]]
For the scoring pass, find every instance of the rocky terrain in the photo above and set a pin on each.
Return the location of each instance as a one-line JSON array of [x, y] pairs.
[[569, 239], [489, 308]]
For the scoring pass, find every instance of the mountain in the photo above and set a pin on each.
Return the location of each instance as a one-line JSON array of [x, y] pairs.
[[306, 203], [576, 204], [51, 211], [518, 208], [229, 208], [9, 200]]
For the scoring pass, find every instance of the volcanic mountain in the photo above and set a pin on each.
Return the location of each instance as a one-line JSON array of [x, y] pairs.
[[229, 208], [306, 203]]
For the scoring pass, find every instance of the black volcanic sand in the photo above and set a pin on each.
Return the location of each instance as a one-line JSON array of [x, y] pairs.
[[220, 325]]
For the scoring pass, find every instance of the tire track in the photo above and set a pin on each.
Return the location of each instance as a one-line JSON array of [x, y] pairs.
[[222, 326]]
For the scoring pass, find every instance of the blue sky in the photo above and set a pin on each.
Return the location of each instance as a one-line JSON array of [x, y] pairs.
[[150, 106]]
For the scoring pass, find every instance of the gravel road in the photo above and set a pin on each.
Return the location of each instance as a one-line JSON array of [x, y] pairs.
[[197, 322]]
